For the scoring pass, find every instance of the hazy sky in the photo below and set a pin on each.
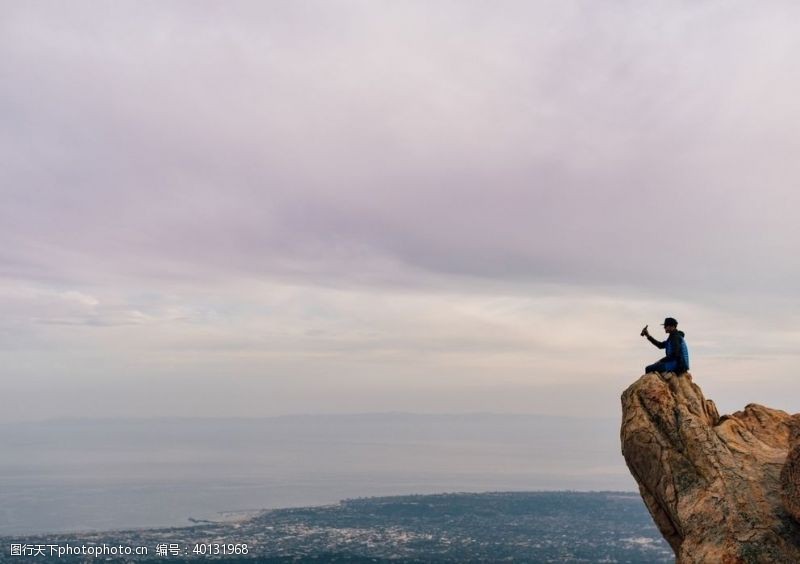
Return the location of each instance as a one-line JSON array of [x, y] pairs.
[[258, 208]]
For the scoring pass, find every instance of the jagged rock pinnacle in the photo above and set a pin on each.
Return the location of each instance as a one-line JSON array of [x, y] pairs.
[[712, 484]]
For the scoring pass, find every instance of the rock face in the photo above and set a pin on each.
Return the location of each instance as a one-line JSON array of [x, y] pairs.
[[790, 474], [716, 487]]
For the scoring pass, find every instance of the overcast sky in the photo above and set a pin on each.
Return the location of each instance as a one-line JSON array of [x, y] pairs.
[[258, 208]]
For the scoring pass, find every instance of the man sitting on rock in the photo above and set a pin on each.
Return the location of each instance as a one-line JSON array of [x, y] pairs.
[[677, 359]]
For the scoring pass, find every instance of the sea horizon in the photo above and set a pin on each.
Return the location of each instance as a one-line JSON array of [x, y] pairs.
[[97, 474]]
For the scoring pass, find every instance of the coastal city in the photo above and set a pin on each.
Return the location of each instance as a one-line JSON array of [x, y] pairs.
[[455, 527]]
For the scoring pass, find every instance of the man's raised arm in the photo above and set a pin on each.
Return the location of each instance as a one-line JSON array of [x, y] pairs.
[[658, 344]]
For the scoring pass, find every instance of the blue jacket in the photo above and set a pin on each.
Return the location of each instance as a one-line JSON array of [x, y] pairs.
[[676, 350]]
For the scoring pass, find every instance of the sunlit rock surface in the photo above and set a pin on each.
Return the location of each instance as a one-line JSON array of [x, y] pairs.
[[713, 485]]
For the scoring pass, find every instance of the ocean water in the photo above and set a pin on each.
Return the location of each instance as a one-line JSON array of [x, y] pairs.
[[83, 475]]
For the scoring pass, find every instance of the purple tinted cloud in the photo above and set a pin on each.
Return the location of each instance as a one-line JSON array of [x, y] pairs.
[[574, 143]]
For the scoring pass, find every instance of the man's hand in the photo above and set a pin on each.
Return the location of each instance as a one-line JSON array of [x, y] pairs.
[[644, 332]]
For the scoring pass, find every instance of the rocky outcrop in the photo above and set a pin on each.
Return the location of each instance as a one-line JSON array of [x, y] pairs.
[[716, 487], [790, 474]]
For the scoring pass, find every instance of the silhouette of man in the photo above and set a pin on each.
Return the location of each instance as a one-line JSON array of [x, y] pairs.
[[677, 353]]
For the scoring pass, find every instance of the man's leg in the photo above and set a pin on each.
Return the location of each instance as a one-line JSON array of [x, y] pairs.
[[657, 367], [670, 366], [661, 367]]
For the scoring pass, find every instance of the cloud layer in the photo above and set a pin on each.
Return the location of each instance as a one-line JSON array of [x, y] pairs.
[[489, 197]]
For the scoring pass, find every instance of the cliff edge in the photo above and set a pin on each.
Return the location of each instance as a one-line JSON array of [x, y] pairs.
[[720, 489]]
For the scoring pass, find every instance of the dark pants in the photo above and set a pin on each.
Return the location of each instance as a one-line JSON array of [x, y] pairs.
[[668, 366]]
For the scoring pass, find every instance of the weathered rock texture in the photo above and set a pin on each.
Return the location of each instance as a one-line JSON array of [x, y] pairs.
[[714, 485], [790, 474]]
